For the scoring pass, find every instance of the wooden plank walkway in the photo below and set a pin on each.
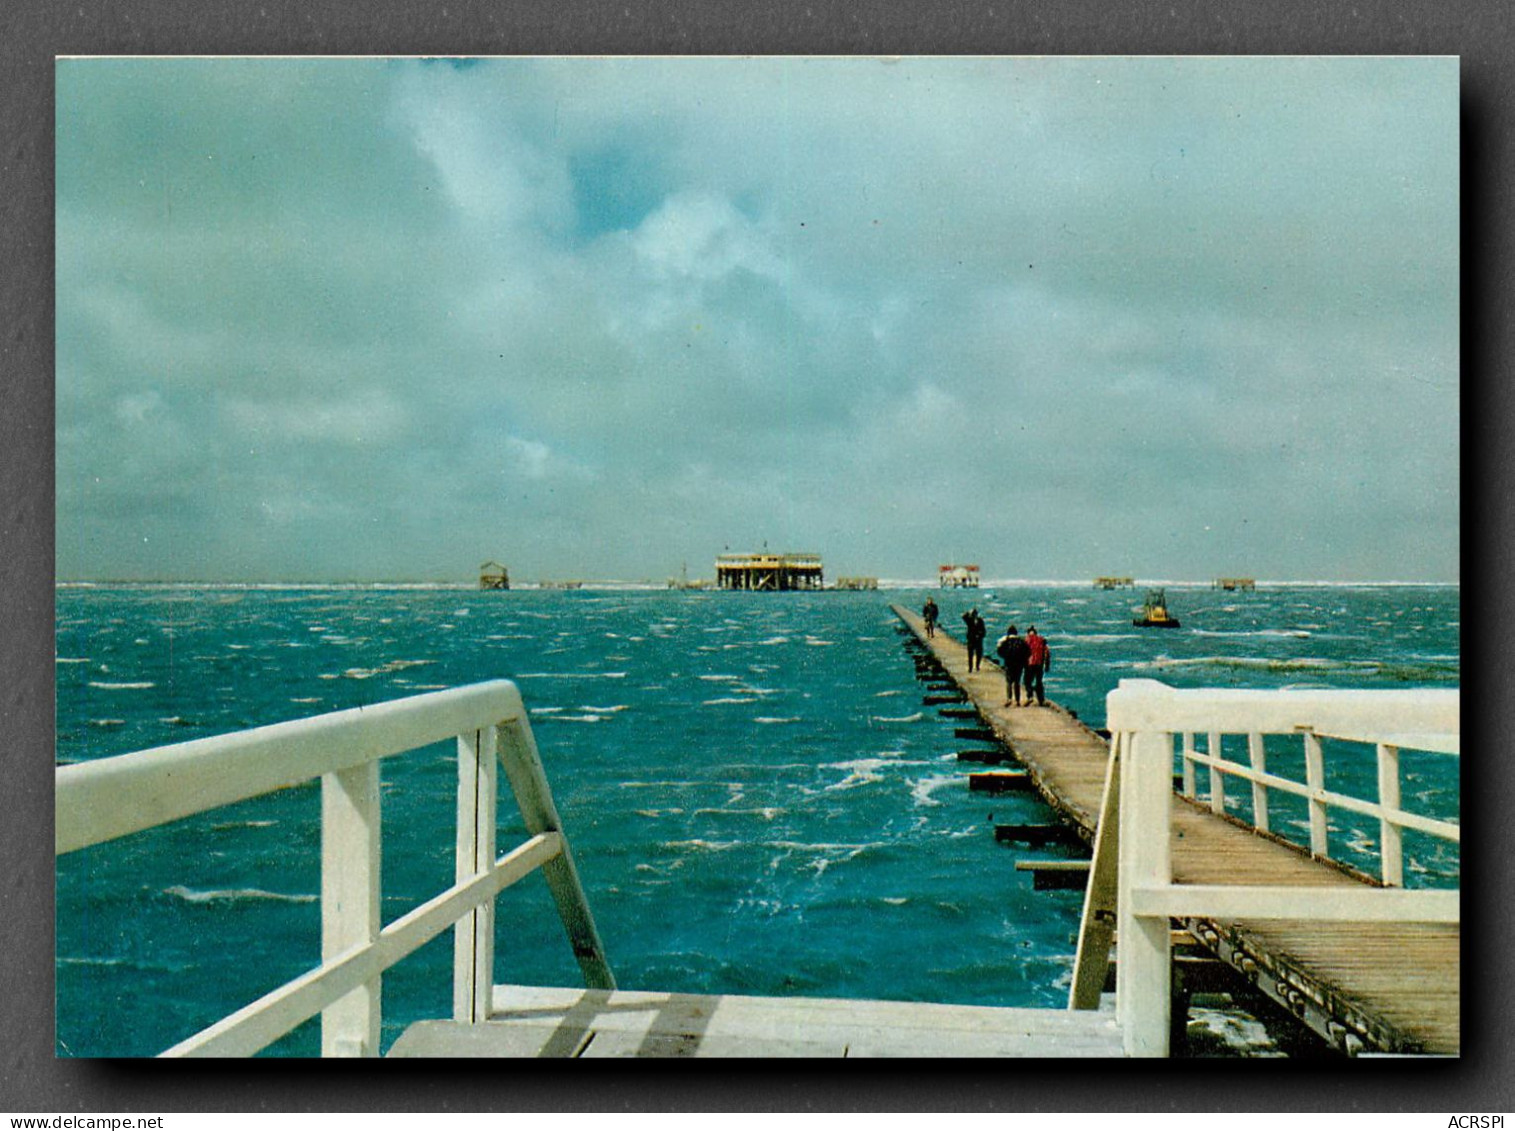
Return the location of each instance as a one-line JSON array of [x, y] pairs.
[[527, 1021], [1390, 987]]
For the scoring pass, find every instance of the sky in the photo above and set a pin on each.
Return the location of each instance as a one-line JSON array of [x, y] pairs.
[[606, 318]]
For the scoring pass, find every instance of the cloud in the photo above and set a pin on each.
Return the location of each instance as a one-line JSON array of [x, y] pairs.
[[352, 318]]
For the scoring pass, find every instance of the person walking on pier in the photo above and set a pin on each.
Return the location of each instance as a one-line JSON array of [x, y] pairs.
[[1013, 651], [1038, 661], [976, 631], [930, 612]]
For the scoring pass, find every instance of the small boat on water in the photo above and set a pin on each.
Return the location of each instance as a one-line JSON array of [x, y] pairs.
[[1155, 612]]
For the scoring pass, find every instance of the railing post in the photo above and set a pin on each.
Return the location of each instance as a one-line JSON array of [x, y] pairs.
[[473, 934], [1096, 927], [1188, 763], [1143, 944], [523, 769], [1390, 836], [1315, 781], [350, 851], [1217, 778], [1257, 754]]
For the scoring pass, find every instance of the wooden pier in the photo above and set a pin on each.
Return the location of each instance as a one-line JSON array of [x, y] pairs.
[[525, 1021], [1385, 986]]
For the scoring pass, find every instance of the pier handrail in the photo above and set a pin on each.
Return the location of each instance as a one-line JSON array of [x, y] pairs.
[[1144, 716], [107, 798]]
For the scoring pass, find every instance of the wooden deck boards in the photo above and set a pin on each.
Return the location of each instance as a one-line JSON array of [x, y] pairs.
[[530, 1021], [1397, 983]]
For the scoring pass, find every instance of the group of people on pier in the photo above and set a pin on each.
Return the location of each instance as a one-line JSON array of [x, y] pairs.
[[1025, 658]]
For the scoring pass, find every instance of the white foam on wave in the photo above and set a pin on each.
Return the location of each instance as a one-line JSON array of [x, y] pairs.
[[728, 700], [770, 719], [923, 788], [825, 854], [614, 710], [1295, 633], [1300, 663], [670, 784], [767, 812], [189, 895], [862, 771], [700, 844], [70, 660], [915, 718], [569, 675], [141, 685]]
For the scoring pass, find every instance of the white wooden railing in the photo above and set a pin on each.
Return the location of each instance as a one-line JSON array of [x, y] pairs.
[[111, 797], [1392, 819], [1144, 717]]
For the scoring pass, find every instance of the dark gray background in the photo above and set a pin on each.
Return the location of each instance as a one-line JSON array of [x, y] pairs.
[[32, 32]]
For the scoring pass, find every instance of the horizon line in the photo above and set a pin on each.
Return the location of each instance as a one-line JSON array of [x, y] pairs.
[[648, 583]]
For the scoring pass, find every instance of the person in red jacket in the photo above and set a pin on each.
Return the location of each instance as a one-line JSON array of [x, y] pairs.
[[1038, 660]]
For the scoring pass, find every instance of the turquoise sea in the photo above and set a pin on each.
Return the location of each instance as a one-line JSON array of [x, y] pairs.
[[757, 799]]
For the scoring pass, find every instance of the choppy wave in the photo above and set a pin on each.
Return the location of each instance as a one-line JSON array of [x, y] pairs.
[[861, 771], [1396, 671], [701, 844], [1288, 633], [922, 789], [387, 668], [234, 895], [767, 812], [569, 675], [784, 834]]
